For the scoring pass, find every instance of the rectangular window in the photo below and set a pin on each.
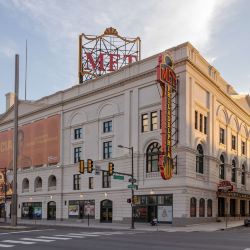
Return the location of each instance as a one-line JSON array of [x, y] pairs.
[[243, 147], [107, 150], [153, 120], [106, 179], [222, 135], [205, 125], [201, 122], [144, 123], [77, 154], [76, 182], [107, 126], [91, 182], [196, 120], [233, 142], [78, 133]]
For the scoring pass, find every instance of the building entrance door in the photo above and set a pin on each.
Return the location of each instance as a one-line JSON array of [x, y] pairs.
[[106, 211], [51, 213], [221, 207], [152, 213], [232, 207]]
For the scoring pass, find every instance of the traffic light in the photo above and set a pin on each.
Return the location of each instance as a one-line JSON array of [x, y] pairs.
[[81, 166], [111, 168], [89, 166]]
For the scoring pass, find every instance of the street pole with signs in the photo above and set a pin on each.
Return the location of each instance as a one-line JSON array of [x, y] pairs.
[[132, 189]]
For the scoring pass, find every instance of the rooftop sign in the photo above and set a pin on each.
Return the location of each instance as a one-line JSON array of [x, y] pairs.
[[106, 53]]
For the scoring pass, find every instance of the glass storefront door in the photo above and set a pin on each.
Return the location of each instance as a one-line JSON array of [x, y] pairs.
[[152, 213]]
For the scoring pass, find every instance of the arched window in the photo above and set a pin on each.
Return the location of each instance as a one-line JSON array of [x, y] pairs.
[[222, 168], [192, 207], [202, 208], [38, 184], [152, 157], [233, 177], [52, 183], [209, 208], [199, 159], [243, 175], [25, 185]]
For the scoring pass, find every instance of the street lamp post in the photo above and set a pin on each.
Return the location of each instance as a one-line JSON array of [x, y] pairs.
[[132, 189]]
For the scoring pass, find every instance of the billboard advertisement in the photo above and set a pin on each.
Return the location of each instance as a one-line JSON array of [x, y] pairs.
[[165, 213], [38, 144]]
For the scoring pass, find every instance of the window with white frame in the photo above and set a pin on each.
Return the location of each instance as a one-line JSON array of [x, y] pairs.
[[144, 121], [154, 121], [222, 135], [77, 133], [107, 126], [77, 154], [243, 147], [107, 149], [200, 122], [233, 142]]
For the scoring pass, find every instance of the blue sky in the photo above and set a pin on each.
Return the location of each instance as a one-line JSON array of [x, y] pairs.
[[219, 29]]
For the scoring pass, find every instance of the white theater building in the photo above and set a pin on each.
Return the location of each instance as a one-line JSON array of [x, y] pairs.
[[123, 108]]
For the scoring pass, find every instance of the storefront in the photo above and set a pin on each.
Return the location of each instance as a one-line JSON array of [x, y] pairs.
[[148, 207], [32, 210], [233, 204], [81, 209]]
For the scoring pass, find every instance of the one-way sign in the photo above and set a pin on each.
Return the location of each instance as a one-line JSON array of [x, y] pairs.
[[132, 180]]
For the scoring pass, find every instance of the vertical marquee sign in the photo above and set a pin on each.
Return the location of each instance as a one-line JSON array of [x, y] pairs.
[[106, 53], [168, 82]]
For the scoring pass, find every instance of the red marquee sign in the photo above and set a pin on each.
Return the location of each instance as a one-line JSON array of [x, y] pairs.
[[225, 186], [168, 82], [106, 53]]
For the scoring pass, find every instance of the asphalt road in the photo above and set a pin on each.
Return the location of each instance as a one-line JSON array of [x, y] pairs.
[[77, 238]]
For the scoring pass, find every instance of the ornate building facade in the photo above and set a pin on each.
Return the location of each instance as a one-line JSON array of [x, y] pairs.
[[124, 108]]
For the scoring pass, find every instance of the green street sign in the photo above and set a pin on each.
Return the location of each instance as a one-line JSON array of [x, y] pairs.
[[133, 186], [118, 177]]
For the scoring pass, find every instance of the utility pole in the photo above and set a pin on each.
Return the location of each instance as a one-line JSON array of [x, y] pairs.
[[15, 146], [5, 192]]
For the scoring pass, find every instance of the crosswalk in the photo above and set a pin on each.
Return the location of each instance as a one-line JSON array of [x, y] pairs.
[[57, 237]]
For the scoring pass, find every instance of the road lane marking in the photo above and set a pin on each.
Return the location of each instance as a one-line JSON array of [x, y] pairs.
[[39, 240], [3, 245], [71, 236], [53, 238], [107, 233], [27, 231], [86, 234], [19, 242]]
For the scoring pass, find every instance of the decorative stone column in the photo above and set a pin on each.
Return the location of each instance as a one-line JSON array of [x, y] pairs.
[[237, 209]]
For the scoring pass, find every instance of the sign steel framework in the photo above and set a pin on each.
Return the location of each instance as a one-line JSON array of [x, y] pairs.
[[106, 53]]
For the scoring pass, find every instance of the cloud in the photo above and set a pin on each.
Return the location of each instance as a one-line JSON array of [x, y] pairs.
[[160, 24], [8, 48]]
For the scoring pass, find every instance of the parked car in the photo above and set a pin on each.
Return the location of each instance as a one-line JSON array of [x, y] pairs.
[[247, 222]]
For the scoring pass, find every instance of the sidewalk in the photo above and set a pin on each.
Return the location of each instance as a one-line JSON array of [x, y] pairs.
[[206, 227]]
